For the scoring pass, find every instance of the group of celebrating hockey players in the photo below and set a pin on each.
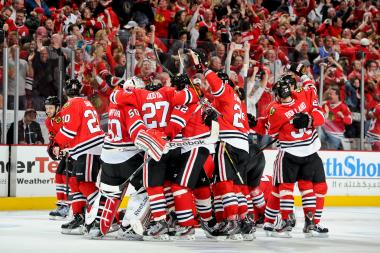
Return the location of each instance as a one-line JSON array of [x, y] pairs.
[[159, 142]]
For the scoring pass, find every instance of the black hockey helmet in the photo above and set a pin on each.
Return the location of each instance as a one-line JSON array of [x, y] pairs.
[[52, 100], [290, 80], [153, 86], [281, 89], [73, 87], [180, 81]]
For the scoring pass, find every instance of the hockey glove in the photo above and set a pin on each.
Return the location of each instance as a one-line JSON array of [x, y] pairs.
[[302, 120], [197, 61], [51, 153], [252, 121], [208, 116], [298, 69], [151, 141]]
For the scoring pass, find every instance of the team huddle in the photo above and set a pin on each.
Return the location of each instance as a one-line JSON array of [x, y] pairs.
[[191, 162]]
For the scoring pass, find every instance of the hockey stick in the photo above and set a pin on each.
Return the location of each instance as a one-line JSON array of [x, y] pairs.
[[67, 175], [203, 101], [232, 162], [212, 139], [161, 65]]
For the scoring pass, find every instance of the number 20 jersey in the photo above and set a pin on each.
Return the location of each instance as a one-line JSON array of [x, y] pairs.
[[80, 132], [233, 123]]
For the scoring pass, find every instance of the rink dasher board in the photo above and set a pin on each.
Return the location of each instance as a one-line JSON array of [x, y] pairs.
[[353, 177]]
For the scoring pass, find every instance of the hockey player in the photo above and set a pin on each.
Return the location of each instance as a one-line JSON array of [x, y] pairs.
[[53, 123], [292, 120], [120, 159], [154, 107], [82, 137], [191, 177], [231, 154]]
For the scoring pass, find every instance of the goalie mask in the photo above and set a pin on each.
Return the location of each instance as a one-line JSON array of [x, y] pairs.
[[281, 89], [73, 87], [133, 82]]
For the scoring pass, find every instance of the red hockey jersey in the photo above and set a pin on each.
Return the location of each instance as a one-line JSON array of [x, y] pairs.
[[80, 131], [53, 125], [233, 125], [153, 106], [298, 142], [124, 122], [374, 128]]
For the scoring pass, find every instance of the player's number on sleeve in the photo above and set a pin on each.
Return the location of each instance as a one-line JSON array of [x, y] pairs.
[[92, 123], [238, 115], [153, 108]]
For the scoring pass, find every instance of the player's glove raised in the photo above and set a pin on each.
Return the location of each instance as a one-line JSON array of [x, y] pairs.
[[252, 121], [297, 68], [302, 120], [208, 116]]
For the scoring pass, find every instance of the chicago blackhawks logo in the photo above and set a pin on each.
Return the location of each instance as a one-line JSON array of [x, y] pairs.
[[58, 120], [272, 110]]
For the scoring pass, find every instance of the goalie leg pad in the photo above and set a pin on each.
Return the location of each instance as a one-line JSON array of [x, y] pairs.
[[138, 212]]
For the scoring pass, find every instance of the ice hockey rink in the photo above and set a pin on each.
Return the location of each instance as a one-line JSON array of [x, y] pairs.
[[351, 230]]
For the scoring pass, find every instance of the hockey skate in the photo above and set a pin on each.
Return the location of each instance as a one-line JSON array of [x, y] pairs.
[[319, 231], [292, 218], [268, 228], [247, 229], [231, 228], [309, 224], [156, 231], [75, 226], [211, 230], [282, 229], [92, 231], [183, 233], [260, 221], [60, 213], [128, 234]]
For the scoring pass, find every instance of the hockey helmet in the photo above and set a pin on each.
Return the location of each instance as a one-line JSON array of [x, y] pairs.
[[290, 80], [154, 85], [180, 81], [52, 100], [73, 87], [281, 89]]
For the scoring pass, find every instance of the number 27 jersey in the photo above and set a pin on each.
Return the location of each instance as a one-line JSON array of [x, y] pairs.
[[80, 132]]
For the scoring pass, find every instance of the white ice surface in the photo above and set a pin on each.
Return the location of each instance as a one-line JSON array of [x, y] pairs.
[[354, 230]]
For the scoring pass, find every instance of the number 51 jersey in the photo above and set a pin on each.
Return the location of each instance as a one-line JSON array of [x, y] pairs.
[[80, 132]]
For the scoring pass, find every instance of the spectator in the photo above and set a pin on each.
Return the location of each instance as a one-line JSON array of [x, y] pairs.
[[17, 5], [32, 4], [338, 116], [44, 83], [374, 130], [29, 131], [24, 71]]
